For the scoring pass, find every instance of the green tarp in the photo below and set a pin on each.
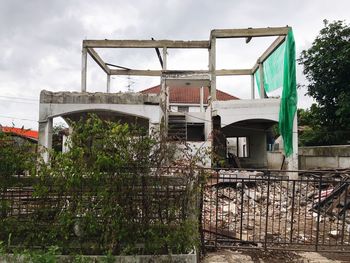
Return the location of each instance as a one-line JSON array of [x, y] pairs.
[[273, 70], [279, 71]]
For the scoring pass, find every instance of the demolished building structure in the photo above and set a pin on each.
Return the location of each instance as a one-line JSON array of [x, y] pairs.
[[244, 121]]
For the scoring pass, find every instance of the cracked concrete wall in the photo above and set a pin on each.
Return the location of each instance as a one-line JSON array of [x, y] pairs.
[[55, 104], [98, 98]]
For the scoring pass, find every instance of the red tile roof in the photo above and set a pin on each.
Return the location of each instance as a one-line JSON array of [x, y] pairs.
[[190, 95], [34, 135]]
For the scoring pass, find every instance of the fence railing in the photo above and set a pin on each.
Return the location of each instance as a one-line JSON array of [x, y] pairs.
[[267, 209], [134, 211], [245, 208]]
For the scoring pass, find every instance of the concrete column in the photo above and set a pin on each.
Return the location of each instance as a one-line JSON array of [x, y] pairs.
[[165, 58], [262, 86], [293, 159], [108, 83], [212, 68], [83, 69], [201, 98], [252, 80], [45, 138]]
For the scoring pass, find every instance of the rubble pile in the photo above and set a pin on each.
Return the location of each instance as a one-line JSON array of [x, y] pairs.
[[251, 209]]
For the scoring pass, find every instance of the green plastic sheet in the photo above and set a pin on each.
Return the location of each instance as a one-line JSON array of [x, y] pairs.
[[279, 72], [273, 70]]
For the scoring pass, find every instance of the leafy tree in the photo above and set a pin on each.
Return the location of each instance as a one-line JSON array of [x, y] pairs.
[[327, 68]]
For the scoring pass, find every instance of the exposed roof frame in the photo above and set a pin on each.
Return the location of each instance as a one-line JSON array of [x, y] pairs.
[[248, 33]]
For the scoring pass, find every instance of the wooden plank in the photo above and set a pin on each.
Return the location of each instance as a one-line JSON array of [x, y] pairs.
[[98, 60], [278, 41], [250, 32], [145, 44]]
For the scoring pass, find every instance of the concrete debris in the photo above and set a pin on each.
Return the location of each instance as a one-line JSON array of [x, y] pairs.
[[278, 212]]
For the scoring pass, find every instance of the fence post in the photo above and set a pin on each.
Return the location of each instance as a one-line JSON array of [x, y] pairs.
[[318, 212], [217, 209], [344, 214], [242, 208], [292, 216], [201, 184], [267, 208]]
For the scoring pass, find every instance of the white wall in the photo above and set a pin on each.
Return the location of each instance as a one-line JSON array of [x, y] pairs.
[[337, 156]]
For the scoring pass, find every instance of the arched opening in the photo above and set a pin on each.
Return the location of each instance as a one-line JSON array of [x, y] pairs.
[[248, 141], [47, 129], [108, 115]]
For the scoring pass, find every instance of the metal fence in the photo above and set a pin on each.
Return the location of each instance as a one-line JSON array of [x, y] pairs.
[[261, 209], [90, 214], [266, 209]]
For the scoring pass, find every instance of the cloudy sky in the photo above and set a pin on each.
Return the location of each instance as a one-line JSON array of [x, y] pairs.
[[41, 42]]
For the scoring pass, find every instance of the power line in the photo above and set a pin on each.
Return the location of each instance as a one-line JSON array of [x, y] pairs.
[[18, 101], [20, 98], [9, 117]]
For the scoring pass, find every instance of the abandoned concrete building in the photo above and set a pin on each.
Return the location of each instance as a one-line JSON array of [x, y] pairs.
[[187, 101]]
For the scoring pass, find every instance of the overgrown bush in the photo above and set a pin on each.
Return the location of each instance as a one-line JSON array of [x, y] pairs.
[[110, 193]]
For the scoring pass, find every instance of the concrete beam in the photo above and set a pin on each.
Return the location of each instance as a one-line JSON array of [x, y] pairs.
[[145, 44], [233, 111], [98, 60], [48, 97], [249, 32], [136, 72], [156, 73], [233, 72]]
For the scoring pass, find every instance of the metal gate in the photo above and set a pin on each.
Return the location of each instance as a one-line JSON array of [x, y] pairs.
[[266, 209]]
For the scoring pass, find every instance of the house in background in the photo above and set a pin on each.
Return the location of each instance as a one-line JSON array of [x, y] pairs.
[[21, 135], [187, 107], [186, 102]]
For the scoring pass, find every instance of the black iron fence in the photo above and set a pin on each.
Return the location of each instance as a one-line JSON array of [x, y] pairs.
[[267, 209], [155, 211], [134, 211]]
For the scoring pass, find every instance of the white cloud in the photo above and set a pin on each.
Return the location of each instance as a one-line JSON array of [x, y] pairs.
[[41, 41]]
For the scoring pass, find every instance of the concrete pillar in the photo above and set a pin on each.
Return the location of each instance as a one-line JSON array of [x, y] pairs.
[[293, 159], [262, 86], [108, 83], [212, 68], [252, 80], [45, 138], [83, 69], [201, 99]]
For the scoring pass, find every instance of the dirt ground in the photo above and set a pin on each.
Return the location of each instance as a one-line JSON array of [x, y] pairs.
[[272, 256]]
